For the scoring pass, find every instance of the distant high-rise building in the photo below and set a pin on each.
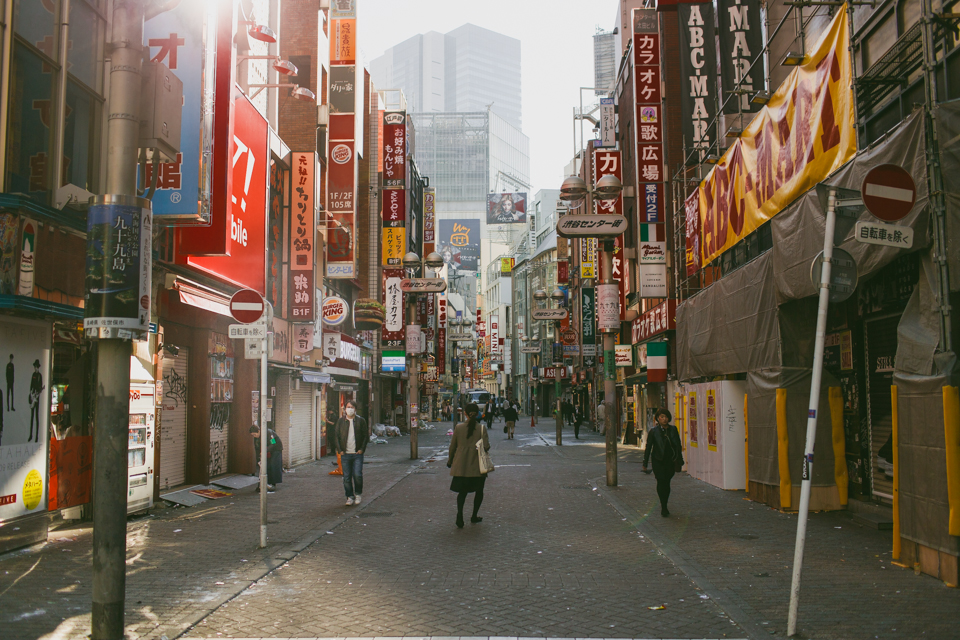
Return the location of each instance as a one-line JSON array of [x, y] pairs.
[[604, 60], [469, 69]]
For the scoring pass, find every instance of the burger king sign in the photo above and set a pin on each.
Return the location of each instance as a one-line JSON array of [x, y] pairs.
[[334, 310]]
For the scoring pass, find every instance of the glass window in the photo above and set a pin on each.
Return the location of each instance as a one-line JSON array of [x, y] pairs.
[[28, 126], [35, 21], [79, 154], [84, 39]]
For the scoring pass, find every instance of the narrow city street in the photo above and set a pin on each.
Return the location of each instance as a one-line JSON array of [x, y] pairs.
[[557, 555]]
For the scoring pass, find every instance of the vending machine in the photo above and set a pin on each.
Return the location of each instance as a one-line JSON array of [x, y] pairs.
[[140, 440]]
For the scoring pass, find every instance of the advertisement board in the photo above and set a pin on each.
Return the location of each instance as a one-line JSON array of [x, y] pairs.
[[608, 307], [429, 220], [506, 208], [765, 170], [394, 149], [25, 413], [245, 263], [302, 235], [460, 243], [118, 268]]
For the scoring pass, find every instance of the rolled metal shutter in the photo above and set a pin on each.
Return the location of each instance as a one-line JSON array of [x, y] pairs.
[[301, 424], [173, 425]]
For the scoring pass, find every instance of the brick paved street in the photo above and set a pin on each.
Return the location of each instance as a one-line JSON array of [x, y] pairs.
[[557, 555]]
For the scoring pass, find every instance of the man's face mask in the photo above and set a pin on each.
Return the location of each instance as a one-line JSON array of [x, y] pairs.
[[350, 411]]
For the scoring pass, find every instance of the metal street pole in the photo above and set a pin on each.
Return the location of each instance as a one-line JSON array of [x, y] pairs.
[[812, 411], [609, 377], [113, 354], [264, 355], [556, 384], [413, 409]]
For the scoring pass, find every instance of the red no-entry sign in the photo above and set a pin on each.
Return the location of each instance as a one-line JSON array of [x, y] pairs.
[[246, 306], [888, 192]]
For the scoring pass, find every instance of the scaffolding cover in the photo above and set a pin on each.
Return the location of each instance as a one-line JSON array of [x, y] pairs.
[[798, 230], [732, 326], [762, 411], [947, 118], [924, 510]]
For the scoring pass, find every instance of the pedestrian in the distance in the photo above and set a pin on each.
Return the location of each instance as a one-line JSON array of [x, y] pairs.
[[577, 419], [510, 416], [488, 411], [352, 438], [663, 445], [464, 462], [274, 457], [601, 418]]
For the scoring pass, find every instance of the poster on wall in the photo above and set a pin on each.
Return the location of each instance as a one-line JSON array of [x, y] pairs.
[[24, 417], [460, 243], [711, 419], [506, 208]]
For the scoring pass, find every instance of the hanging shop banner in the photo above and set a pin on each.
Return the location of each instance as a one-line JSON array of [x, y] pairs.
[[588, 321], [608, 307], [429, 220], [698, 77], [442, 334], [691, 213], [606, 162], [649, 116], [652, 248], [26, 417], [506, 266], [343, 100], [394, 149], [391, 336], [656, 362], [653, 280], [506, 208], [118, 269], [302, 235], [460, 243], [764, 171], [343, 41], [302, 338], [394, 242], [608, 128], [245, 262], [494, 334], [741, 41]]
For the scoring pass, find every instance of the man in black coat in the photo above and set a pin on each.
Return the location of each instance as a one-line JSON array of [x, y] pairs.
[[351, 437], [664, 446]]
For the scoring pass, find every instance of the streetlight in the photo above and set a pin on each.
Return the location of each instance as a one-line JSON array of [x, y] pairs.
[[575, 191]]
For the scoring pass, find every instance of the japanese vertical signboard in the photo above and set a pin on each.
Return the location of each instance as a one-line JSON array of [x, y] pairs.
[[442, 334], [804, 133], [607, 163], [741, 41], [698, 77], [494, 335], [608, 129], [650, 172], [394, 201], [588, 324], [588, 258], [429, 220], [394, 149], [391, 336], [691, 214], [341, 144], [302, 236]]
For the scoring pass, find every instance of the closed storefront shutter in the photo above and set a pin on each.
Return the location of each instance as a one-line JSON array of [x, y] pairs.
[[173, 426], [301, 424]]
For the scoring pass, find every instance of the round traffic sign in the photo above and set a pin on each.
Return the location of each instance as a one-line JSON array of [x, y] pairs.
[[843, 274], [246, 306], [888, 192]]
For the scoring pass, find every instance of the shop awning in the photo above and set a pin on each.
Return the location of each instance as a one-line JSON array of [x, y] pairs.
[[316, 377], [197, 295], [40, 308]]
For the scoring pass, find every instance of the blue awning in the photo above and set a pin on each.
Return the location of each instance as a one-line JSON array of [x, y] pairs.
[[40, 308], [316, 377]]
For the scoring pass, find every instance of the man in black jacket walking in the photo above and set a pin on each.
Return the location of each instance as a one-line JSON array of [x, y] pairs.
[[351, 437], [663, 445]]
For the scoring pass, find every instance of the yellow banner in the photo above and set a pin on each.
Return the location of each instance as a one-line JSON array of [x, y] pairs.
[[805, 133], [394, 241]]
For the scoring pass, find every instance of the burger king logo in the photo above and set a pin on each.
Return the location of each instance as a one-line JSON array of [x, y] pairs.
[[341, 154], [334, 310]]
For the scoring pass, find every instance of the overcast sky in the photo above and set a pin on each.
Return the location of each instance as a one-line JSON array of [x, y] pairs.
[[556, 57]]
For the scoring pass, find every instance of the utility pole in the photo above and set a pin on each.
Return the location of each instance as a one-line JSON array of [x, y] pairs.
[[113, 353], [609, 371], [557, 384], [413, 378]]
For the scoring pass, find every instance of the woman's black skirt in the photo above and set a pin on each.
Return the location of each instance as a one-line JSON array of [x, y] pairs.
[[462, 484]]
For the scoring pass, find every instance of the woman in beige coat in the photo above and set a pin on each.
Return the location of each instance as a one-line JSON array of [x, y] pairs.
[[464, 463]]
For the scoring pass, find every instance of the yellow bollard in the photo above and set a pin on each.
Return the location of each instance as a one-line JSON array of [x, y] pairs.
[[951, 427], [746, 444], [896, 472], [839, 445], [783, 451]]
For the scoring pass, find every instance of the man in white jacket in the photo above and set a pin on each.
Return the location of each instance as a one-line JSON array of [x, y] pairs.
[[601, 418]]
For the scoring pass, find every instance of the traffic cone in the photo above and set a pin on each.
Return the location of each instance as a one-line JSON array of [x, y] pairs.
[[339, 470]]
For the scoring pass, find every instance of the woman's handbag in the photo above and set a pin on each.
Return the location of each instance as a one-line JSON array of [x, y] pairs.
[[486, 464]]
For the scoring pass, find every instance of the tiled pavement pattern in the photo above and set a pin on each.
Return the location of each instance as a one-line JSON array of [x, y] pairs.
[[550, 559], [413, 572], [183, 563]]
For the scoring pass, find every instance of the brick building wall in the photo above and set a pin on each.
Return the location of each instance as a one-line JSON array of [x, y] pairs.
[[300, 25]]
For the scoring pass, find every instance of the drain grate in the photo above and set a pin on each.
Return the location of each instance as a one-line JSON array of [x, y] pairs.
[[376, 514], [579, 487]]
